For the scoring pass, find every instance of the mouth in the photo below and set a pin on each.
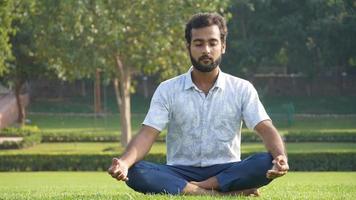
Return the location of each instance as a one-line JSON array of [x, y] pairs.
[[206, 60]]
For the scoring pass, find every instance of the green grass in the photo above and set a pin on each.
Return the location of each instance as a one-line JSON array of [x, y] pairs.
[[158, 147], [98, 185]]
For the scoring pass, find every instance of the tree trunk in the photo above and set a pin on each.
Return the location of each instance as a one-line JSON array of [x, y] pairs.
[[122, 90], [20, 107], [97, 92]]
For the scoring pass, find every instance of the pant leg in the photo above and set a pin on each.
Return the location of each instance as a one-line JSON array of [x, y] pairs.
[[148, 177], [249, 173]]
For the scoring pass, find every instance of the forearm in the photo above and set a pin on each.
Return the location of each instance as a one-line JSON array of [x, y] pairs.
[[271, 138], [139, 146]]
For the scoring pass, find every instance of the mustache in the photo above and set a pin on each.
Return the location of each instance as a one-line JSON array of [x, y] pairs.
[[205, 57]]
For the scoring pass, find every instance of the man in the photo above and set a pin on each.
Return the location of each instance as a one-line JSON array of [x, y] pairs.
[[203, 110]]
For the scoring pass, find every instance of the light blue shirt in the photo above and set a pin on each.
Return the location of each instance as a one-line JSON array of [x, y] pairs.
[[204, 130]]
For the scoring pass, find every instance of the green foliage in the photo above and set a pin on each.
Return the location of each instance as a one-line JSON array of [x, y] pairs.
[[88, 35], [247, 136], [308, 136], [320, 136], [30, 136], [6, 17], [322, 161], [79, 137], [309, 37]]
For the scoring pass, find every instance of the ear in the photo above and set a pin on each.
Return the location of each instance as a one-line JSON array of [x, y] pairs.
[[223, 48]]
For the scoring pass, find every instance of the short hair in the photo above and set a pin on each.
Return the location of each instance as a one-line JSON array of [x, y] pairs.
[[202, 20]]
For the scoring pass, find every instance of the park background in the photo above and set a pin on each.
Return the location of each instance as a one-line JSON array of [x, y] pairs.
[[76, 78]]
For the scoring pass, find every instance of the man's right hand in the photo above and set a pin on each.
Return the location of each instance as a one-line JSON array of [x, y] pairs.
[[118, 170]]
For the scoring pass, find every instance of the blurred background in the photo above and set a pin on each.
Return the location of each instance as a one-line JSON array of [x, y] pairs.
[[84, 71]]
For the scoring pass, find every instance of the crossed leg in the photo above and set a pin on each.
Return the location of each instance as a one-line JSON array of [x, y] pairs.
[[240, 178]]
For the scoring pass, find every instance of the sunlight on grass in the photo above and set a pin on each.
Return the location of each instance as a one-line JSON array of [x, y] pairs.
[[99, 185]]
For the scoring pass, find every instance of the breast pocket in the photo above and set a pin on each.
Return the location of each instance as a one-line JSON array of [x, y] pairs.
[[226, 124]]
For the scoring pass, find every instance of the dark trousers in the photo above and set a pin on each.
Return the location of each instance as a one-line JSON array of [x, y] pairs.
[[249, 173]]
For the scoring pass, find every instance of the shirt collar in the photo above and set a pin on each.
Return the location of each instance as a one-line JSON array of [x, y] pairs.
[[219, 83]]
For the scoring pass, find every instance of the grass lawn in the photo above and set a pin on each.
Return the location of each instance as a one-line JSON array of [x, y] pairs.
[[159, 147], [98, 185]]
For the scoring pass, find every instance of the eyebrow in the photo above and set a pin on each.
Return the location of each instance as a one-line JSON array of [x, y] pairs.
[[202, 40]]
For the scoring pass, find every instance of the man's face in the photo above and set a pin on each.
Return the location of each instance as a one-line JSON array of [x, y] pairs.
[[206, 48]]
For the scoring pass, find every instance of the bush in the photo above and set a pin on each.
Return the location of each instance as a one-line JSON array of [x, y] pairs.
[[320, 136], [307, 136], [78, 137], [30, 135], [345, 161], [246, 136]]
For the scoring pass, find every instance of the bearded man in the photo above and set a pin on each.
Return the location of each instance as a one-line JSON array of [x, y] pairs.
[[203, 110]]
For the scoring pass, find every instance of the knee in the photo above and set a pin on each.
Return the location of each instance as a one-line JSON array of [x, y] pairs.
[[264, 161], [139, 177]]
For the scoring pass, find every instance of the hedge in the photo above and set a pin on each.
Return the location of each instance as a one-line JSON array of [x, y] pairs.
[[79, 137], [345, 161], [320, 136], [30, 136], [247, 136]]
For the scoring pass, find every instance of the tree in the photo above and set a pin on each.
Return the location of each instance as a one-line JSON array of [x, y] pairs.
[[122, 38], [308, 37], [20, 61], [6, 30]]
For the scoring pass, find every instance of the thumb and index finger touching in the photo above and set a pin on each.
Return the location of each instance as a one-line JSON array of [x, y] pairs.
[[281, 163]]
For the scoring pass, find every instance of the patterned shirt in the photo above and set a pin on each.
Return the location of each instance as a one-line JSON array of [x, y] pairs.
[[204, 130]]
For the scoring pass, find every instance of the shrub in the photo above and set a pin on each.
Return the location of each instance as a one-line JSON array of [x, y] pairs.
[[344, 161], [79, 137], [307, 136], [320, 136], [30, 136]]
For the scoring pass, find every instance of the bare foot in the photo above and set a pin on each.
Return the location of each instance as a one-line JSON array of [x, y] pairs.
[[212, 185], [209, 184], [192, 189]]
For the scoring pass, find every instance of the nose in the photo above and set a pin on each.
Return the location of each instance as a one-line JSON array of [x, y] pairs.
[[206, 49]]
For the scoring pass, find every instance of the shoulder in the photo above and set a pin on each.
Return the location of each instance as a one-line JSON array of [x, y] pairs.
[[172, 84]]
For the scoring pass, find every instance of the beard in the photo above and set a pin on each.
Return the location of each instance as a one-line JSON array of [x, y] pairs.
[[197, 64]]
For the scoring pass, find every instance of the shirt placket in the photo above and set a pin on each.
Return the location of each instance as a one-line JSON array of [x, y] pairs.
[[205, 123]]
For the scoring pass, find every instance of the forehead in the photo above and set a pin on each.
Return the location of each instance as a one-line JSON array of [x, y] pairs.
[[206, 33]]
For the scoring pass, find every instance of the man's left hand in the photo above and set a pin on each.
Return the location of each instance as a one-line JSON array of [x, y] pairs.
[[280, 167]]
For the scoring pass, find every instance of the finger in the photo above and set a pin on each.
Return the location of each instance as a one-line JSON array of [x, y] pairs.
[[112, 170], [115, 161], [117, 173], [276, 173], [120, 176], [284, 168]]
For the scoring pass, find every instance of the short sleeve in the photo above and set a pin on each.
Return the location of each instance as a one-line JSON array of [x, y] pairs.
[[158, 113], [253, 111]]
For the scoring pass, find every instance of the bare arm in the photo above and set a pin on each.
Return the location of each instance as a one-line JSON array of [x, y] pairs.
[[271, 138], [139, 146], [274, 144]]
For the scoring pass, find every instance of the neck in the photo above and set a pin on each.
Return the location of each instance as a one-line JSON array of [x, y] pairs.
[[205, 80]]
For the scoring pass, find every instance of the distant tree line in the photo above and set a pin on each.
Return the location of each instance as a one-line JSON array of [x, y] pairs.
[[312, 37]]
